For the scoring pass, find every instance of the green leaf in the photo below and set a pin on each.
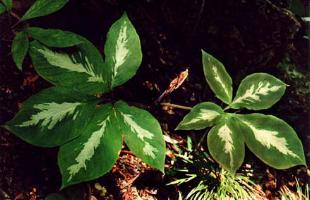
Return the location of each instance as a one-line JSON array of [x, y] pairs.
[[2, 8], [94, 153], [8, 4], [54, 196], [81, 69], [55, 37], [226, 143], [43, 7], [52, 117], [272, 140], [142, 133], [122, 51], [201, 116], [217, 77], [258, 91], [20, 47]]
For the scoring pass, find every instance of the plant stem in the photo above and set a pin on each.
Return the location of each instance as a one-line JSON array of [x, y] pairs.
[[15, 15], [176, 106]]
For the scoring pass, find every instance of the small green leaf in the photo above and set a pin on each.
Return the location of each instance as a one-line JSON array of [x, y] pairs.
[[142, 133], [52, 117], [54, 37], [2, 8], [217, 77], [226, 144], [94, 153], [8, 4], [81, 70], [43, 7], [272, 140], [122, 51], [201, 116], [20, 47], [258, 91]]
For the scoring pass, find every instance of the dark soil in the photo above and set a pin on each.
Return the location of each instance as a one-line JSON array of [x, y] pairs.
[[247, 36]]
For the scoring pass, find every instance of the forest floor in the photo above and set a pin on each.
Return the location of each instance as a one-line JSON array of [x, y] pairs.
[[248, 36]]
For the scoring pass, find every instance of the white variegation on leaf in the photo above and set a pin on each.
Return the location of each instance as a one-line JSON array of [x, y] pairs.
[[258, 91], [52, 117], [122, 51], [93, 153], [225, 143], [201, 116], [73, 63], [272, 140], [142, 134], [217, 77], [49, 114], [88, 149], [81, 69]]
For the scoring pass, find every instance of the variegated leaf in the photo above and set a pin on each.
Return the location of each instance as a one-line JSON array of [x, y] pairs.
[[217, 77], [94, 153], [258, 91], [52, 117], [272, 140], [122, 51], [54, 37], [226, 144], [142, 133], [81, 70], [201, 116]]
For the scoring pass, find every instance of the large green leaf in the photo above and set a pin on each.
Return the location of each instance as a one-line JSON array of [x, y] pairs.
[[272, 140], [226, 143], [142, 133], [201, 116], [258, 91], [43, 7], [94, 153], [20, 47], [54, 37], [52, 117], [217, 77], [81, 69], [122, 51]]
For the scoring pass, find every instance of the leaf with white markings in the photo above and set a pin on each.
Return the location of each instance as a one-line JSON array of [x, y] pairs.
[[217, 77], [225, 143], [43, 7], [94, 153], [258, 91], [80, 70], [122, 50], [201, 116], [54, 37], [45, 117], [20, 47], [142, 133], [272, 140]]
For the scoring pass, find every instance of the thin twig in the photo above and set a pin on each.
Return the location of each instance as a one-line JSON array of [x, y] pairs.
[[176, 106], [15, 15]]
